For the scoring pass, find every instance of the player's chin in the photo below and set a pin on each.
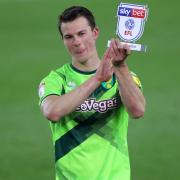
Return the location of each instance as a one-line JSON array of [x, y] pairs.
[[81, 58]]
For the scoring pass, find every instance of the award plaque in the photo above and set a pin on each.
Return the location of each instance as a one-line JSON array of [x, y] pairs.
[[131, 20]]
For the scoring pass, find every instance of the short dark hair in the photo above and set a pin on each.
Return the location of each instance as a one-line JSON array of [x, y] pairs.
[[73, 12]]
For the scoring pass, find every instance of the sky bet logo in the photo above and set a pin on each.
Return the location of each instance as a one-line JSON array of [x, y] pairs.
[[130, 12]]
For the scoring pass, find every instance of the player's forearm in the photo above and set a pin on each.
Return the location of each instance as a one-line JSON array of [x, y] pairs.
[[55, 107], [130, 93]]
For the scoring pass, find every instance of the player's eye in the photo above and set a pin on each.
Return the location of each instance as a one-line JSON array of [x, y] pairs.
[[67, 37], [81, 34]]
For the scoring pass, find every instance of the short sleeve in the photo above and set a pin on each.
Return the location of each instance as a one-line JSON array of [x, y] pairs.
[[50, 85], [136, 80]]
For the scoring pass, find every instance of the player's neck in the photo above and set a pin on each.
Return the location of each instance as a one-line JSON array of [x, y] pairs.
[[90, 64]]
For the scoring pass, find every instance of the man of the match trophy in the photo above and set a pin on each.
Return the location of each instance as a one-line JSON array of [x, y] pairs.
[[131, 20]]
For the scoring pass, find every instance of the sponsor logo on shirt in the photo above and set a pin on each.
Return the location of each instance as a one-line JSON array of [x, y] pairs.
[[99, 106], [41, 89], [72, 84]]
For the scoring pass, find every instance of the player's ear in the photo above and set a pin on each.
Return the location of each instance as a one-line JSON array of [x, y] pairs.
[[95, 32]]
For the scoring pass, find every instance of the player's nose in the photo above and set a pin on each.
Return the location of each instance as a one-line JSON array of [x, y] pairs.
[[77, 41]]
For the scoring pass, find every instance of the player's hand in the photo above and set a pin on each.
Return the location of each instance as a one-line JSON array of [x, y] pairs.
[[105, 69], [120, 52]]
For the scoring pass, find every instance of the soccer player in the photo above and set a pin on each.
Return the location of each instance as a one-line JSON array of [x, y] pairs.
[[88, 102]]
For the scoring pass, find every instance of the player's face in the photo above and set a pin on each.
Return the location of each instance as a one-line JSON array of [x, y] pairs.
[[79, 39]]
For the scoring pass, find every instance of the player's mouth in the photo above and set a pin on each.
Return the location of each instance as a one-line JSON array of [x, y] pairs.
[[79, 52]]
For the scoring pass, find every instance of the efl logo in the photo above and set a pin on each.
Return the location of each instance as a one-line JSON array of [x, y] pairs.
[[130, 12], [128, 33]]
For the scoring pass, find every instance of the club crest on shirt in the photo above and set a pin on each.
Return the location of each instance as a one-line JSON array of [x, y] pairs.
[[108, 84]]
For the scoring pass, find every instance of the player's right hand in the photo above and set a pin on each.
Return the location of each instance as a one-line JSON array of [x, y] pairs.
[[105, 69]]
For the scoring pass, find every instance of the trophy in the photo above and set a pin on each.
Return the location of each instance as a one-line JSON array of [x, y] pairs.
[[130, 24]]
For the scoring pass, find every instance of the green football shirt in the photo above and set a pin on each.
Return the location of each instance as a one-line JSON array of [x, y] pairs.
[[91, 142]]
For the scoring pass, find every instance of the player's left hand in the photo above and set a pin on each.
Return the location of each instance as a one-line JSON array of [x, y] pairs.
[[120, 52]]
